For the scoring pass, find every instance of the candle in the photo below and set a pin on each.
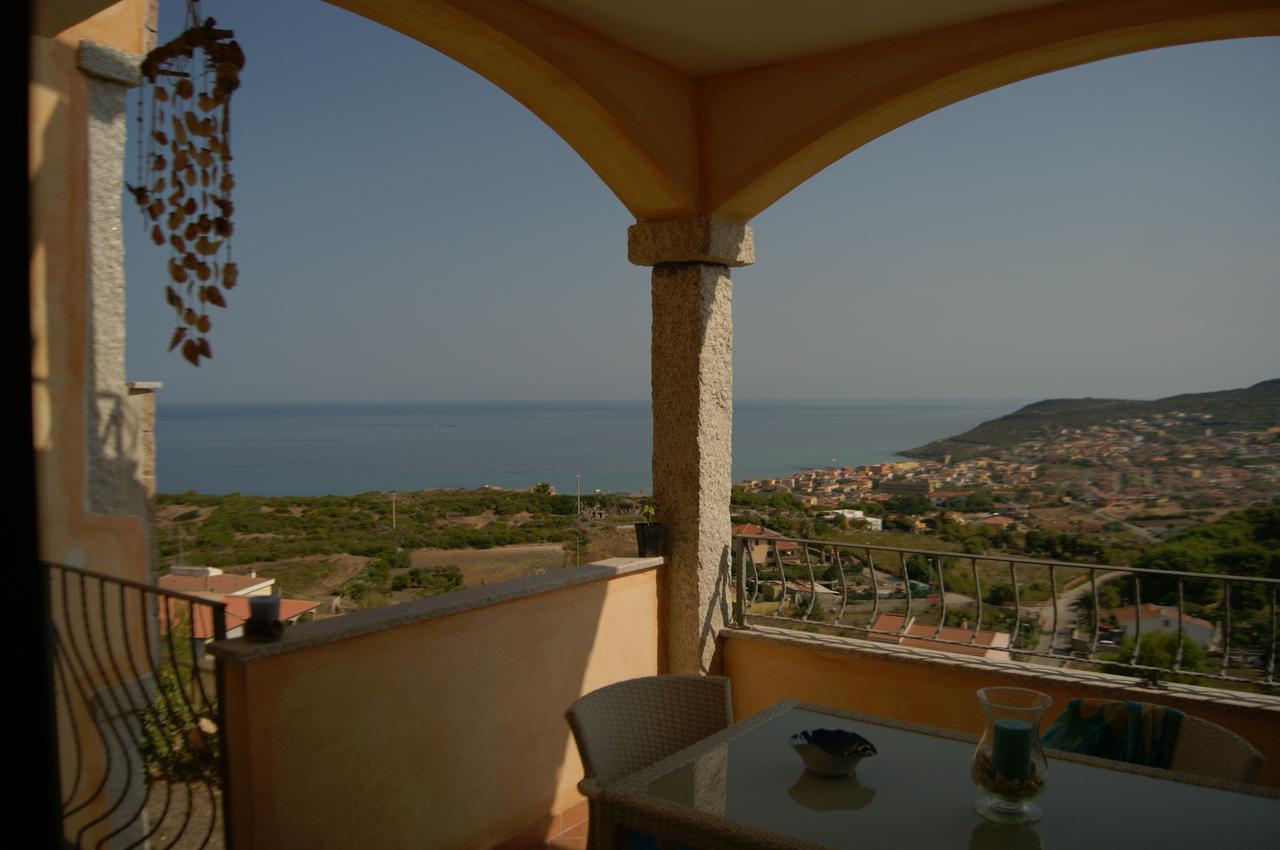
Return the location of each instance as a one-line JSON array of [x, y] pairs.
[[264, 609], [1011, 749]]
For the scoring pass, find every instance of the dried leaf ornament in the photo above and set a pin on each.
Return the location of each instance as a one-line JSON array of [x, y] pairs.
[[187, 153]]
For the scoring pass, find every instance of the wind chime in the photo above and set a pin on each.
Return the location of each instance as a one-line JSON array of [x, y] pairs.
[[184, 171]]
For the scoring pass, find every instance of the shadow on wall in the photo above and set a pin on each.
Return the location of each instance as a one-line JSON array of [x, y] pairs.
[[121, 477], [107, 649]]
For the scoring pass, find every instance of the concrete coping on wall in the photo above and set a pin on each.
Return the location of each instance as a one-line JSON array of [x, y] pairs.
[[110, 63], [307, 635], [1108, 684]]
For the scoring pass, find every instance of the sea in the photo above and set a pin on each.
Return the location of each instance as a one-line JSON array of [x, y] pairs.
[[341, 448]]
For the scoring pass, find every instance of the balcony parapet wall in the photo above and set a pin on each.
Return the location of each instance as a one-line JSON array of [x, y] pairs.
[[939, 689], [433, 723], [308, 635], [438, 722]]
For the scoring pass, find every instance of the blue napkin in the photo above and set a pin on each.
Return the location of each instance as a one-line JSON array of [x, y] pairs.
[[1132, 732]]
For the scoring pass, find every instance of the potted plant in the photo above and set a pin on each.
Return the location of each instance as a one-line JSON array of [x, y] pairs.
[[648, 532]]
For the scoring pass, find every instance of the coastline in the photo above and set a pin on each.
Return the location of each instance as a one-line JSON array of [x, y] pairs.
[[308, 449]]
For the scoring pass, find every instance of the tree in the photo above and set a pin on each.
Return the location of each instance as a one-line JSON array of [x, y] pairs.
[[940, 521], [914, 505], [1158, 650], [999, 594], [918, 568], [896, 523]]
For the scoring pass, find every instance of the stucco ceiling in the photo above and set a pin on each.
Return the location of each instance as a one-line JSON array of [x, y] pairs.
[[50, 17], [703, 37]]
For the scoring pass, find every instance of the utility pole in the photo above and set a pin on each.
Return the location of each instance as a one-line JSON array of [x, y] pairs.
[[393, 510], [579, 477]]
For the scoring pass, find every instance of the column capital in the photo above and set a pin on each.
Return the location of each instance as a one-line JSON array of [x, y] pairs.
[[721, 241]]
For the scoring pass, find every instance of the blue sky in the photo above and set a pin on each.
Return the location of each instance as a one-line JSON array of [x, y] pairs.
[[406, 231]]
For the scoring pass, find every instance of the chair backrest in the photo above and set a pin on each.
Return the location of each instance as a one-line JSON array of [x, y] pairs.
[[623, 727], [668, 825], [1206, 749]]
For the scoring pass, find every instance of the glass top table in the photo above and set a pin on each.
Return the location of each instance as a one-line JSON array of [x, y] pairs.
[[916, 792]]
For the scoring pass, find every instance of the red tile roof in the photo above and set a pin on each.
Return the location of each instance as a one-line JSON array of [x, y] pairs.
[[237, 613], [1150, 612], [750, 530], [918, 633], [226, 583]]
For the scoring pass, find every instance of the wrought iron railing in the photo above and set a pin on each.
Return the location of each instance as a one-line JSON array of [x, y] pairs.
[[869, 580], [139, 720]]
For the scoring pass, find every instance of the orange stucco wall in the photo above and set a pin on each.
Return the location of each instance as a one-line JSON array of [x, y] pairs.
[[920, 688], [58, 139], [448, 732], [69, 533]]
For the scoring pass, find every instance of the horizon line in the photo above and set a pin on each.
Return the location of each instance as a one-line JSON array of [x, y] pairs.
[[606, 400]]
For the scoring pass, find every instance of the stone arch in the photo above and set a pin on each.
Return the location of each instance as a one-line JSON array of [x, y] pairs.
[[672, 144], [877, 88], [630, 117]]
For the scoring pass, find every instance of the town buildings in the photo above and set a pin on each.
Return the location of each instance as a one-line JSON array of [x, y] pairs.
[[1142, 470]]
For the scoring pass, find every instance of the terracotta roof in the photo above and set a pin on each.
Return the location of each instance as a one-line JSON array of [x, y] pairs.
[[237, 613], [751, 530], [226, 583], [887, 623], [238, 607], [1149, 611], [918, 635], [200, 616]]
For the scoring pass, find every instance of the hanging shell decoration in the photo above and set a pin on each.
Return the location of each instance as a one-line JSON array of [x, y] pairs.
[[184, 173]]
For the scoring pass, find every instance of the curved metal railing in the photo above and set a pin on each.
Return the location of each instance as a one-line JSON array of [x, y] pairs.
[[139, 720], [873, 578]]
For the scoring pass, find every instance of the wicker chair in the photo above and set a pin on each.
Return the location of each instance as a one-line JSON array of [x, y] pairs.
[[1206, 749], [672, 826], [624, 727]]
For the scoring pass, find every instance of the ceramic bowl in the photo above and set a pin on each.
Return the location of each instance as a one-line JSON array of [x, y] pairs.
[[831, 752]]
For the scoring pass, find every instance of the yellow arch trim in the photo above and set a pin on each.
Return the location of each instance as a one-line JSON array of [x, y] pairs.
[[630, 117], [761, 139]]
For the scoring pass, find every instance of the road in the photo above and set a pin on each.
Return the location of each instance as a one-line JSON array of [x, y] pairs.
[[1144, 533], [1064, 604]]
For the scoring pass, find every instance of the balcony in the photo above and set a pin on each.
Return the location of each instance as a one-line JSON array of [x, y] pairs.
[[440, 721]]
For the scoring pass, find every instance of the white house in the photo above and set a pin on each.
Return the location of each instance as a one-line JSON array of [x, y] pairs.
[[873, 523], [1159, 618], [230, 589]]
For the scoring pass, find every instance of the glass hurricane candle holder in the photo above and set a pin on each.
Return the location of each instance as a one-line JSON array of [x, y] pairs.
[[1009, 763]]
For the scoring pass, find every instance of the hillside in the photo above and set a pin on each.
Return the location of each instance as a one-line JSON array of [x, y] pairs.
[[319, 546], [1254, 406]]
